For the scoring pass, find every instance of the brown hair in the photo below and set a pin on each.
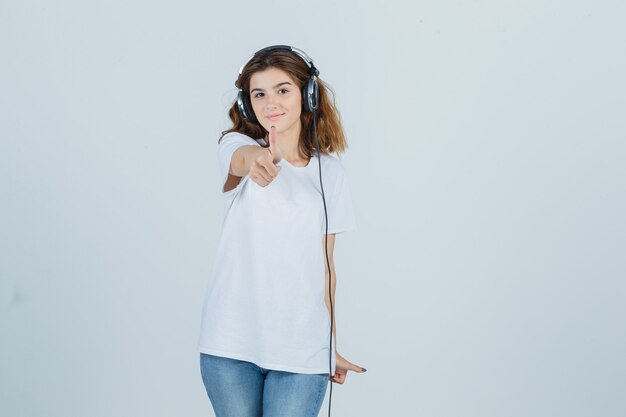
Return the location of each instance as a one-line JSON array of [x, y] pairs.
[[329, 130]]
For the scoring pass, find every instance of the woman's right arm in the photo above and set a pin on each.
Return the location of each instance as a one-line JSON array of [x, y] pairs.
[[252, 160], [257, 162], [240, 164], [243, 158]]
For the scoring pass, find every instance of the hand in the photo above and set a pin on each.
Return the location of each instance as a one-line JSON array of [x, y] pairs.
[[264, 169], [342, 366]]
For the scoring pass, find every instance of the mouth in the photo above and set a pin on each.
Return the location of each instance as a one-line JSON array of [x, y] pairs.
[[275, 116]]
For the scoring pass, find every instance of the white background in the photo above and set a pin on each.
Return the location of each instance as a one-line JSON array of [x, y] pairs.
[[487, 163]]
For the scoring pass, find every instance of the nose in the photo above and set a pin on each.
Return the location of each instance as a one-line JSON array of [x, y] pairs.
[[272, 100]]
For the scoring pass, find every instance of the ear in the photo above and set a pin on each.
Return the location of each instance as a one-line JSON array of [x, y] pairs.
[[244, 106], [310, 94]]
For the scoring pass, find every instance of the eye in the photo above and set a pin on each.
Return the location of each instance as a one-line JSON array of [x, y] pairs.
[[283, 89], [257, 95]]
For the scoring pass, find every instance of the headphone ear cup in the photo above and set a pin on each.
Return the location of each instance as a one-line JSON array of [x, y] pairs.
[[310, 94], [245, 109]]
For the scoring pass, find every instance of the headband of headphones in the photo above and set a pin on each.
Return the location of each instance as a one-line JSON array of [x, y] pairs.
[[312, 70], [310, 90]]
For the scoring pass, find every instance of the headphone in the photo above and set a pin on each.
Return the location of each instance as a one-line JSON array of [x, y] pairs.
[[310, 89], [310, 102]]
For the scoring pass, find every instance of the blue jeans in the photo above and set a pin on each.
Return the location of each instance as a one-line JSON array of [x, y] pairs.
[[242, 389]]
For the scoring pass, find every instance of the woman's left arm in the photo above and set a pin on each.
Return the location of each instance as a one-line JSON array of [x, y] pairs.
[[331, 247], [342, 364]]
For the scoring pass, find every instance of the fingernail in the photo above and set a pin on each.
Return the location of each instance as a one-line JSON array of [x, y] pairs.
[[364, 370]]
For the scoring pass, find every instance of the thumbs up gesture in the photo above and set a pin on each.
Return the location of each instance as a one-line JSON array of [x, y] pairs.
[[264, 169], [274, 149]]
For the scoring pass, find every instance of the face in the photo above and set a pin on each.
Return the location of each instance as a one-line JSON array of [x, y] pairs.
[[276, 101]]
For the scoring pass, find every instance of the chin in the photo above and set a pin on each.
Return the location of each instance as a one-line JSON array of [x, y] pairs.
[[279, 127], [282, 125]]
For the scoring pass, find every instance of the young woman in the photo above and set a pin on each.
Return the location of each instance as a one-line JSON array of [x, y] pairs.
[[265, 342]]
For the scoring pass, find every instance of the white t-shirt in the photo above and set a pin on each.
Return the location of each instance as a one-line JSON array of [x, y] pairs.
[[265, 300]]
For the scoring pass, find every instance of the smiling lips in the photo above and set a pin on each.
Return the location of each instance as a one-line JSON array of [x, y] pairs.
[[274, 116]]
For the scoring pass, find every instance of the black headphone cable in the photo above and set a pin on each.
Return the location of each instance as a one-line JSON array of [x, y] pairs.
[[330, 295]]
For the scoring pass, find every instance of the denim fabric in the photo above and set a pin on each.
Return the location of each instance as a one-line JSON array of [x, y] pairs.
[[242, 389]]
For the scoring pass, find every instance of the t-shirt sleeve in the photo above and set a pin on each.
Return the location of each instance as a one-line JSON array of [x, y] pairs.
[[225, 150], [339, 205]]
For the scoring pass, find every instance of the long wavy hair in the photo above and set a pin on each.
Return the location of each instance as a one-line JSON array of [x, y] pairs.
[[329, 129]]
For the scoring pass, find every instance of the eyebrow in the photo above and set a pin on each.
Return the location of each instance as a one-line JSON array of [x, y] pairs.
[[276, 86]]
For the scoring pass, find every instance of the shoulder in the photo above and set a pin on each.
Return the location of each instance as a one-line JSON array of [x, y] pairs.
[[332, 164], [236, 137]]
